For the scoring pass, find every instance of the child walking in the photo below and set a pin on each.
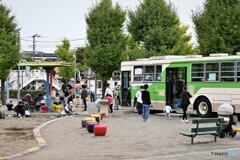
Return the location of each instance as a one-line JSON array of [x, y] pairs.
[[110, 100], [97, 103], [167, 110]]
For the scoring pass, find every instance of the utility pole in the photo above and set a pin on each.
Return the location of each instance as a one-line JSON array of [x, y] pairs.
[[95, 86], [18, 84], [34, 46], [75, 65]]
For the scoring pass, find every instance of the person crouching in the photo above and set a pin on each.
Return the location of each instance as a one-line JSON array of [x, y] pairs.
[[19, 109]]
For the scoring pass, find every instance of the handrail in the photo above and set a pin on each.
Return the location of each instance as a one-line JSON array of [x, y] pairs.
[[34, 75]]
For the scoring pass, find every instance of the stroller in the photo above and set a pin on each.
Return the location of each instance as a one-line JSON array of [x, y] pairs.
[[226, 111]]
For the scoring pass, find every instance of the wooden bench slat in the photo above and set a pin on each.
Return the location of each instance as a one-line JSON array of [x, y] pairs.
[[191, 134], [206, 120], [210, 132], [204, 129]]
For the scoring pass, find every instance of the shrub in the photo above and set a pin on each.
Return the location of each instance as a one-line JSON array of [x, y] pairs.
[[34, 94]]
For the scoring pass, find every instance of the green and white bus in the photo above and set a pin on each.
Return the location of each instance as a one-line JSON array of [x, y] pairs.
[[212, 81]]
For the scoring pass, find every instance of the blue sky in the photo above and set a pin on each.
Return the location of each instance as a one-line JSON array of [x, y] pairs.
[[56, 19]]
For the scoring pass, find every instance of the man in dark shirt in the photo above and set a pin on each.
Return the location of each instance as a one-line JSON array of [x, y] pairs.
[[146, 102]]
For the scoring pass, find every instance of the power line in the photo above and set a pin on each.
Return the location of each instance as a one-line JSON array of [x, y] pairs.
[[27, 37], [71, 40], [26, 40], [61, 41]]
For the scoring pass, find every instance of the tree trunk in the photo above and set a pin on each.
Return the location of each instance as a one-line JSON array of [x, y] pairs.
[[104, 86], [3, 94]]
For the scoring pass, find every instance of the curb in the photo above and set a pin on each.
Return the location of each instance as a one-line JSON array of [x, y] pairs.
[[41, 141]]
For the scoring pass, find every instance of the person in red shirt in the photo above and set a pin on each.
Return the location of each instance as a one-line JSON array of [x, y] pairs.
[[110, 100]]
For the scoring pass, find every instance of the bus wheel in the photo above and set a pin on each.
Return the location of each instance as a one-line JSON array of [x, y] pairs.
[[204, 108]]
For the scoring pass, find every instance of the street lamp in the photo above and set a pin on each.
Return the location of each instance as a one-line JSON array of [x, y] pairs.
[[34, 46]]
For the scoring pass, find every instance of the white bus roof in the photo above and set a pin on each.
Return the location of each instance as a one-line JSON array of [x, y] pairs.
[[180, 58]]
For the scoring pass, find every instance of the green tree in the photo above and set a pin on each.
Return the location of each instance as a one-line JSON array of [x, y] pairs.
[[218, 26], [133, 51], [81, 64], [9, 46], [64, 53], [106, 41], [156, 26]]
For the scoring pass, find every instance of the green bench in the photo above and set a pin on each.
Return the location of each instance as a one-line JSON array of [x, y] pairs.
[[204, 130]]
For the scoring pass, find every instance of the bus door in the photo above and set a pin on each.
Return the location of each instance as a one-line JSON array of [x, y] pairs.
[[125, 88], [175, 80]]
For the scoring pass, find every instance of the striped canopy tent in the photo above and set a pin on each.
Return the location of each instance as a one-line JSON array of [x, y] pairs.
[[49, 67]]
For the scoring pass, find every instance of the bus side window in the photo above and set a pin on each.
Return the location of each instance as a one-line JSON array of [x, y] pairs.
[[238, 72], [198, 72], [227, 71], [149, 73], [212, 71], [138, 73], [158, 73]]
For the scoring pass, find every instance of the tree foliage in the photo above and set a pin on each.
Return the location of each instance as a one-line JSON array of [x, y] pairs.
[[156, 26], [64, 53], [81, 64], [9, 46], [135, 51], [106, 41], [218, 26]]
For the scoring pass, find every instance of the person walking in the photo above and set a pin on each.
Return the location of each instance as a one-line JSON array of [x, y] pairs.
[[97, 103], [146, 103], [108, 90], [110, 101], [167, 110], [70, 93], [116, 98], [84, 95], [92, 92], [139, 100], [185, 96]]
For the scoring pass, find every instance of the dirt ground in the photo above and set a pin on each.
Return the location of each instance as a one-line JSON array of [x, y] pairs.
[[16, 134]]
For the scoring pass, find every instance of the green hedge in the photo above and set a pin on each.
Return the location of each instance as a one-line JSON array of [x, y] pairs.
[[34, 94]]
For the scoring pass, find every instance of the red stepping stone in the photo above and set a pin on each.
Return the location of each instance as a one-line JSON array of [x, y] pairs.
[[100, 130]]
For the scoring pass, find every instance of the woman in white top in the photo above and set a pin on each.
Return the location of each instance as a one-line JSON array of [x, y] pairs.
[[139, 100], [108, 90]]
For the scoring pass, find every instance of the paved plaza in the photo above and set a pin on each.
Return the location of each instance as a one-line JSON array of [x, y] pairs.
[[128, 137]]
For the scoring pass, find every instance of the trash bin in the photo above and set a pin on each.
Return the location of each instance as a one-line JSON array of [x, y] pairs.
[[104, 106]]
